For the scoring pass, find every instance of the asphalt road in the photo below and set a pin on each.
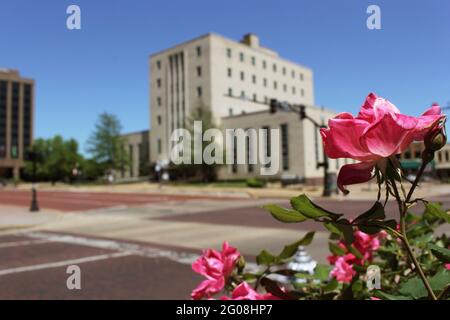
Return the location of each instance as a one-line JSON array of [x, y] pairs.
[[33, 263]]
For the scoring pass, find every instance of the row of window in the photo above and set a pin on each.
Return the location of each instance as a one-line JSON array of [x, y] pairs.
[[264, 65], [265, 82]]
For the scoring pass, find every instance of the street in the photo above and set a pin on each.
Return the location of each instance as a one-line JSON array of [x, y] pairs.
[[137, 246]]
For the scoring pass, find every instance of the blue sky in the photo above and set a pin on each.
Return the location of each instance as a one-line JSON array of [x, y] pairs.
[[103, 66]]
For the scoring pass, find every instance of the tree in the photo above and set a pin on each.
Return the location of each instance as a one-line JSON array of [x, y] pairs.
[[208, 172], [106, 144], [58, 158]]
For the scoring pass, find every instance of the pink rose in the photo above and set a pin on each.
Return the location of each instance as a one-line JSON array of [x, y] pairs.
[[378, 132], [342, 271], [245, 292], [366, 244], [216, 267], [447, 266]]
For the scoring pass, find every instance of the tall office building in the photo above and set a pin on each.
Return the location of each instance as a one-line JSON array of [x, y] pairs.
[[227, 76], [236, 81], [16, 120]]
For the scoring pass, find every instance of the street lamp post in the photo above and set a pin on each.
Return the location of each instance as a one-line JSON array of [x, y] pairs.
[[33, 156], [276, 105]]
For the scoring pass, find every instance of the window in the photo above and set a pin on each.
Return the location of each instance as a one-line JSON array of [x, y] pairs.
[[265, 82], [285, 146], [284, 71], [337, 164], [230, 92], [253, 61], [158, 83], [255, 97], [241, 57], [417, 154], [159, 146], [199, 91], [275, 85], [228, 52], [159, 120], [302, 92], [229, 72], [199, 51], [230, 112], [266, 99], [158, 101], [242, 76], [294, 90], [447, 156], [158, 65], [264, 64], [274, 67], [293, 74], [199, 71], [254, 79], [284, 87], [407, 155], [301, 76], [243, 94]]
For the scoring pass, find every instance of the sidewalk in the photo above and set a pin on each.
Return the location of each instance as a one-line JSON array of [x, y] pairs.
[[366, 191], [13, 218]]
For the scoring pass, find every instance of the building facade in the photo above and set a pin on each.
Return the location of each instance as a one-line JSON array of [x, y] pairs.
[[137, 148], [16, 121], [229, 77], [411, 160]]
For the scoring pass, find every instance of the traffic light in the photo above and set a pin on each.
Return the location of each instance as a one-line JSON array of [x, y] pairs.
[[302, 112], [273, 106]]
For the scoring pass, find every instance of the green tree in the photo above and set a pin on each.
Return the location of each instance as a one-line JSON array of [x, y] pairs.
[[106, 144], [207, 172], [58, 157]]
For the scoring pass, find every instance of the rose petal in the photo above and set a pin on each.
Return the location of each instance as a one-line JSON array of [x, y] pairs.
[[341, 140], [389, 134], [354, 173]]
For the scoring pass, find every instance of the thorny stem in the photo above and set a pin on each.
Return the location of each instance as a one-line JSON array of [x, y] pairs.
[[402, 206]]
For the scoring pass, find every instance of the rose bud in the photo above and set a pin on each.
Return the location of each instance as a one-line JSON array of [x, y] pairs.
[[436, 138]]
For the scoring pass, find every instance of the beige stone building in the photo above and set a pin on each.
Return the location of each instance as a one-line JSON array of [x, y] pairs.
[[137, 147], [227, 76], [411, 160], [16, 121], [236, 80]]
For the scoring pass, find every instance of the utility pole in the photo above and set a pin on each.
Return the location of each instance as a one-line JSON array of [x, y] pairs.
[[275, 106]]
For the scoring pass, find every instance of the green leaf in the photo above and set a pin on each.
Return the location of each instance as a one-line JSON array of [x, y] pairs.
[[347, 230], [284, 215], [386, 296], [440, 280], [265, 258], [442, 254], [335, 249], [374, 213], [436, 210], [415, 288], [331, 286], [332, 228], [373, 227], [291, 249], [309, 209], [322, 272], [357, 286]]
